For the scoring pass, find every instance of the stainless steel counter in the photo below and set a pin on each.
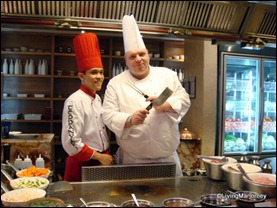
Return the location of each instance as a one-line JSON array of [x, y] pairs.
[[155, 190]]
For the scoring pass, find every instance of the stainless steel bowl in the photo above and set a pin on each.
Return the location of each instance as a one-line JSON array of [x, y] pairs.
[[99, 204], [214, 200], [141, 202], [234, 177], [256, 185], [214, 170], [248, 198], [177, 202]]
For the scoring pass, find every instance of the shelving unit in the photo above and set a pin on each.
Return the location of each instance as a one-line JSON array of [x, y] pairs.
[[58, 87]]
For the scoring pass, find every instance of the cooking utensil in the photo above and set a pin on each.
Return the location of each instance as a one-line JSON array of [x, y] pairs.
[[161, 99], [243, 171], [82, 200], [62, 186], [137, 89], [4, 187], [12, 166], [135, 199], [222, 159]]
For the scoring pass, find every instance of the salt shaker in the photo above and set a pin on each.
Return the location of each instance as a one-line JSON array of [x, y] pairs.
[[267, 168]]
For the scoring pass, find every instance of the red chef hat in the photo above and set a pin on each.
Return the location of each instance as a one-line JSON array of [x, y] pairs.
[[87, 51]]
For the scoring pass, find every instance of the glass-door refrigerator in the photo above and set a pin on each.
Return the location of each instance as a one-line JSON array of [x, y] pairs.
[[247, 105]]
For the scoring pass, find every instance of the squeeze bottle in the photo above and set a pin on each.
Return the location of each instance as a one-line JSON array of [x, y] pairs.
[[40, 162], [27, 162], [18, 163]]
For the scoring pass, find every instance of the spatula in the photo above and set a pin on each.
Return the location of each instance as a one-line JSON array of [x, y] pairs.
[[62, 186]]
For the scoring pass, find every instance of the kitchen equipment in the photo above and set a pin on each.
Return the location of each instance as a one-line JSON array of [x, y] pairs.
[[45, 202], [247, 102], [248, 198], [161, 99], [12, 166], [99, 204], [214, 170], [177, 202], [128, 171], [135, 200], [141, 202], [255, 160], [262, 183], [137, 89], [234, 178], [214, 159], [4, 188], [243, 171], [267, 168], [84, 202], [214, 200], [18, 197], [62, 186]]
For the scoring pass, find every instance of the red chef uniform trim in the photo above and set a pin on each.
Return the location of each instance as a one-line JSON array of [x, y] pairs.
[[86, 90]]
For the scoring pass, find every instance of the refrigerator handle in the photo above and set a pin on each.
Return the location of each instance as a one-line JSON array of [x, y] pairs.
[[261, 106]]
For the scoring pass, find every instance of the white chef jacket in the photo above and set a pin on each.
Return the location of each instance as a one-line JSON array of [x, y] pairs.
[[82, 123], [158, 137]]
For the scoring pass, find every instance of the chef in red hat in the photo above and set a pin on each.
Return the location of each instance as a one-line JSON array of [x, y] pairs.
[[84, 135]]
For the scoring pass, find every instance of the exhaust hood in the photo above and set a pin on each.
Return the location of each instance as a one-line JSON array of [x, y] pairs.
[[232, 20]]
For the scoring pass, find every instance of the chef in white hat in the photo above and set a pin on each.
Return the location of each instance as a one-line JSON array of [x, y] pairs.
[[144, 136]]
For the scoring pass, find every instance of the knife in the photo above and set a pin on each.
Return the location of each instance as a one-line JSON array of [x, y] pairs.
[[161, 99]]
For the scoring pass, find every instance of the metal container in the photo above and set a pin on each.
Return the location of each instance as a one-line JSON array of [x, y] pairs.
[[99, 204], [177, 202], [141, 202], [214, 200], [234, 177], [256, 186], [248, 198], [214, 170]]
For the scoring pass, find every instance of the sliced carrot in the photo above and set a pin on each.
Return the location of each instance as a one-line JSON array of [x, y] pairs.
[[33, 171]]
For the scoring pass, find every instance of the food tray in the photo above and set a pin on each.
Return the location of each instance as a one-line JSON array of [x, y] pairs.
[[21, 95], [32, 116], [39, 95], [9, 116]]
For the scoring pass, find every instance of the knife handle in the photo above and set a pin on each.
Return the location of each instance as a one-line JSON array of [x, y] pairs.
[[149, 106]]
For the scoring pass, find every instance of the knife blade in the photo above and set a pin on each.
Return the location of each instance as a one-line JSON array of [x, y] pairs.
[[161, 99]]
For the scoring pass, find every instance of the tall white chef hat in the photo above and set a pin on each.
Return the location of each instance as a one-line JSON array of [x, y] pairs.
[[131, 35]]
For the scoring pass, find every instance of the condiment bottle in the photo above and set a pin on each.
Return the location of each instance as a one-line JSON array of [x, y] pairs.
[[18, 163], [243, 159], [40, 162], [267, 168], [255, 160], [27, 162]]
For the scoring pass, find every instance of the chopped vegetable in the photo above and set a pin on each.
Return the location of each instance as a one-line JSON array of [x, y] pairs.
[[33, 171]]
